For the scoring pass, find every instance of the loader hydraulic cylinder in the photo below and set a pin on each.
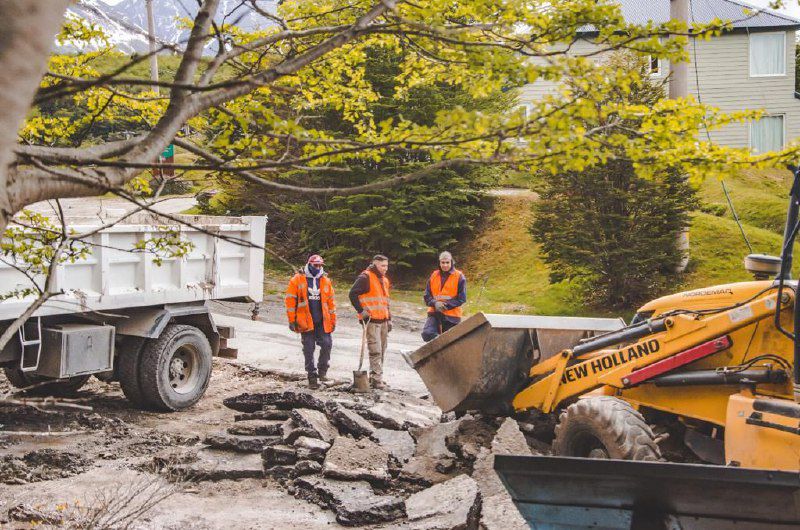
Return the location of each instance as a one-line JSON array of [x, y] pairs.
[[714, 377], [625, 335]]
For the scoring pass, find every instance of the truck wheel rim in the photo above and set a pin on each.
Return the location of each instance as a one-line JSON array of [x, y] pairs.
[[183, 369]]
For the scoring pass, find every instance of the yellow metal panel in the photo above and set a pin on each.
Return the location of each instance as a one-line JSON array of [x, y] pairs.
[[759, 447], [706, 403]]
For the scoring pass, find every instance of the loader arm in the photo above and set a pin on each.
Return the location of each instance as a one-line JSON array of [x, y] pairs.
[[677, 341]]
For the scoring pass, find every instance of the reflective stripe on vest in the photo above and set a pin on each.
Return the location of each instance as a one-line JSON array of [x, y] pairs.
[[376, 300], [448, 291]]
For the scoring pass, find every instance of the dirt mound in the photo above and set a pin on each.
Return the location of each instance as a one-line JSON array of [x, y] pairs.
[[42, 464]]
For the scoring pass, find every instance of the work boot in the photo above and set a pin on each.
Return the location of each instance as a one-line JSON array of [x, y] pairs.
[[323, 376], [313, 383], [377, 384]]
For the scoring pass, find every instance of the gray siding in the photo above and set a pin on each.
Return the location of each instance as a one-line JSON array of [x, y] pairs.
[[723, 76]]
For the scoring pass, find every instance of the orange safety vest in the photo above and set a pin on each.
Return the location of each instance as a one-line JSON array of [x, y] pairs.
[[296, 302], [446, 292], [376, 300]]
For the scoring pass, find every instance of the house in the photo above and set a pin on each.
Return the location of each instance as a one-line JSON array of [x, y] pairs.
[[750, 67]]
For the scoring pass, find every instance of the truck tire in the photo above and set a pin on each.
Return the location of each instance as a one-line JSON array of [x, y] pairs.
[[45, 386], [604, 427], [175, 369], [128, 373]]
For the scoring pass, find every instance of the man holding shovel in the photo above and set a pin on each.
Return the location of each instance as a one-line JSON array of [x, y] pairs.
[[370, 298], [311, 310], [444, 295]]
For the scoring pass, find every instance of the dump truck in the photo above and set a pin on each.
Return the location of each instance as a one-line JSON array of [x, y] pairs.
[[130, 316], [709, 376]]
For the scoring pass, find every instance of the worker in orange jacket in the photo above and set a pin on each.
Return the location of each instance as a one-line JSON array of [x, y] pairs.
[[311, 310], [445, 293], [370, 298]]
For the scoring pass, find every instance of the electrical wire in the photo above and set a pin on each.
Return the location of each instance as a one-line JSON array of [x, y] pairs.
[[749, 364], [735, 216]]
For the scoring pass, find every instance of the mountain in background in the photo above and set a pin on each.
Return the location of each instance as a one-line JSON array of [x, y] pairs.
[[126, 22]]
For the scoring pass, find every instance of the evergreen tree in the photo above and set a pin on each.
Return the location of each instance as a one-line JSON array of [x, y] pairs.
[[610, 230]]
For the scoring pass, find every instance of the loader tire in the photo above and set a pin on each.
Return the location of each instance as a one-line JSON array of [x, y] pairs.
[[604, 427], [43, 386], [175, 368]]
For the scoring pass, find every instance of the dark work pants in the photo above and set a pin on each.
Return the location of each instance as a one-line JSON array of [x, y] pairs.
[[310, 340], [431, 329]]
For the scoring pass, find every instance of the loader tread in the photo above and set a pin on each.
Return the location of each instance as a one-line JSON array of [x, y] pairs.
[[608, 422]]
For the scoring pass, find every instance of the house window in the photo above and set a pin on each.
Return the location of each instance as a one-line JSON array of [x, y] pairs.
[[525, 110], [655, 65], [767, 54], [767, 134]]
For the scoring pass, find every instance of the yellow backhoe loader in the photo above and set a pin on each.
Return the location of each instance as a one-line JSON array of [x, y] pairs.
[[715, 371]]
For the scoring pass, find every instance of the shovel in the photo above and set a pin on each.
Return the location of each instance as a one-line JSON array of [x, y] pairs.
[[361, 377]]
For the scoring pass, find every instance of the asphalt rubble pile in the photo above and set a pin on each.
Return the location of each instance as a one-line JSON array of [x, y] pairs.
[[380, 459]]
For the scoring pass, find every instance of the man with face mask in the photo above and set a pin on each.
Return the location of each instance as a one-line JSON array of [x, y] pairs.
[[445, 293], [311, 310]]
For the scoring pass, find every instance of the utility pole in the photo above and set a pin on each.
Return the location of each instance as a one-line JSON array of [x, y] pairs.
[[679, 80], [151, 38], [679, 88]]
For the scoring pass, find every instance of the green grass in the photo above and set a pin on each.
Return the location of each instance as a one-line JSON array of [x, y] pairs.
[[759, 197], [505, 270], [717, 251]]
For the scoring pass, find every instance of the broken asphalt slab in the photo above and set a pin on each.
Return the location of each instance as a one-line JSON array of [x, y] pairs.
[[351, 459], [451, 505], [402, 416], [316, 422], [354, 502], [286, 400], [348, 421], [257, 428], [398, 444], [278, 455], [240, 444], [214, 465], [499, 511], [311, 448], [266, 414]]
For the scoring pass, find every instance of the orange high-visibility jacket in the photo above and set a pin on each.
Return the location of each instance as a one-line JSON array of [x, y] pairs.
[[376, 300], [296, 301], [446, 292]]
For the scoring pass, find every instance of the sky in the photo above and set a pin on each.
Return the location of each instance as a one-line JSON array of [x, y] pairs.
[[790, 7]]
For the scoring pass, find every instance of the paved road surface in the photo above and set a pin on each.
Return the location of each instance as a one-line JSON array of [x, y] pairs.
[[272, 346]]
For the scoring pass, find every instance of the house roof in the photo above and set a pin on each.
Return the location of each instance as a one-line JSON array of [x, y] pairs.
[[704, 11]]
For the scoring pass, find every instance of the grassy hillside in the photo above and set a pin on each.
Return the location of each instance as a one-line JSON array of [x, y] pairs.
[[759, 196], [507, 274]]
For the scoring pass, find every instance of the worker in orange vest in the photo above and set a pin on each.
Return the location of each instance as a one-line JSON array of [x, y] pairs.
[[311, 310], [445, 293], [370, 298]]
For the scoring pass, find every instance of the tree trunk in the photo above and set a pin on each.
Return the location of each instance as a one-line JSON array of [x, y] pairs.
[[27, 30]]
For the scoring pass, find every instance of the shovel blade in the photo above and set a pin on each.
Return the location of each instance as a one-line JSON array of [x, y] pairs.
[[360, 381]]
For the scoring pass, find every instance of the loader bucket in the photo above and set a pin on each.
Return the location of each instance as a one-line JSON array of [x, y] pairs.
[[484, 361], [559, 492]]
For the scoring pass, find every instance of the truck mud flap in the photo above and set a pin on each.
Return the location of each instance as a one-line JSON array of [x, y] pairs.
[[481, 363], [561, 492]]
